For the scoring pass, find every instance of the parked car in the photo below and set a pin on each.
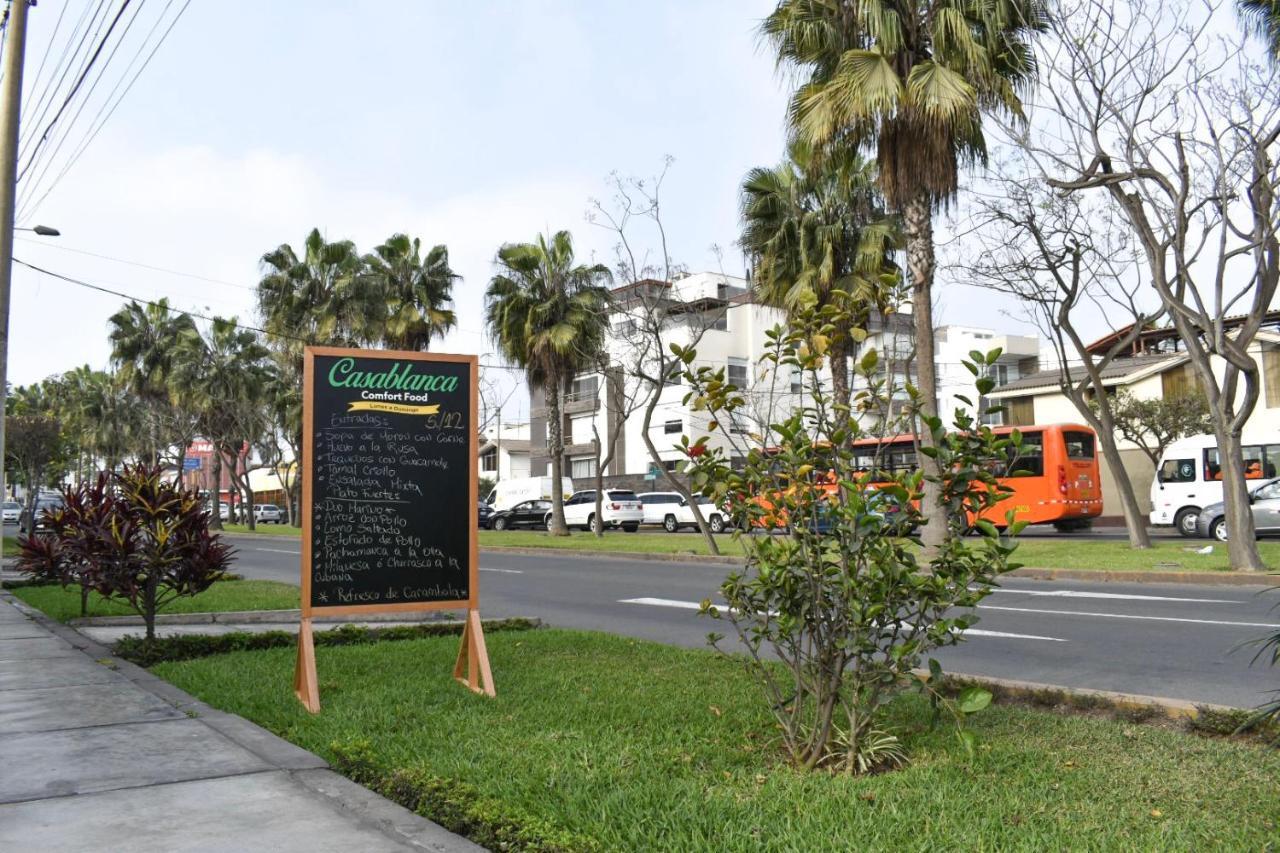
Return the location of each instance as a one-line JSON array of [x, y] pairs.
[[42, 505], [1264, 501], [484, 513], [680, 514], [508, 493], [224, 511], [524, 514], [267, 514], [657, 505], [12, 509], [621, 508]]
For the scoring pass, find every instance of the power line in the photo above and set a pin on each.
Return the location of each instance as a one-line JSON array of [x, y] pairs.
[[68, 59], [84, 73], [99, 120], [60, 247]]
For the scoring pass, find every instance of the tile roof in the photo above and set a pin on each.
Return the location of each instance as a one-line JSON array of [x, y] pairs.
[[1117, 369]]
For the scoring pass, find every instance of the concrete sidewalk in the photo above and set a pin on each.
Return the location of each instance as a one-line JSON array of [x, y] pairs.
[[98, 754]]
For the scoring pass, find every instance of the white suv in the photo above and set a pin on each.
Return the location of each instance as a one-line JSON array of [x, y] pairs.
[[621, 508], [679, 514]]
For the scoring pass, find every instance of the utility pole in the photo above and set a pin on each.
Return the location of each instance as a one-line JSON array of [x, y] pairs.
[[15, 43]]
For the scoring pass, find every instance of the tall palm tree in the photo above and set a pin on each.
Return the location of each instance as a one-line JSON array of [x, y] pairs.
[[1262, 17], [417, 292], [225, 375], [909, 79], [144, 341], [816, 229], [319, 297], [549, 316]]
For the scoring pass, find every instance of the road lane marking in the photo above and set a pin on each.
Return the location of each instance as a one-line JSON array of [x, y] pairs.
[[1128, 616], [1072, 593], [275, 550], [503, 571], [974, 632]]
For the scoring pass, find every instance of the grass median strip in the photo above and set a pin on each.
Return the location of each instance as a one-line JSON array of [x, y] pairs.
[[603, 742], [64, 604]]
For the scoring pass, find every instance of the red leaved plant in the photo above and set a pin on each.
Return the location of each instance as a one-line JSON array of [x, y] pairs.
[[130, 536]]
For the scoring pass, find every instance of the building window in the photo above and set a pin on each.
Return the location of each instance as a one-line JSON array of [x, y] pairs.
[[674, 375], [582, 388], [737, 424], [583, 466], [1178, 381], [1271, 376], [1019, 411], [489, 460], [737, 373], [672, 465], [673, 427], [1000, 373], [797, 381]]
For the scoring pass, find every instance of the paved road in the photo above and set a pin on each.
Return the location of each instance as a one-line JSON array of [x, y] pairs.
[[1168, 640]]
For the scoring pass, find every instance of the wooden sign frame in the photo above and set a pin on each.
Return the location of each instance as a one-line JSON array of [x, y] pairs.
[[473, 657]]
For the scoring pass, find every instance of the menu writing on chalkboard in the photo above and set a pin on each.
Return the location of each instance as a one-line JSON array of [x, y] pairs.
[[391, 468]]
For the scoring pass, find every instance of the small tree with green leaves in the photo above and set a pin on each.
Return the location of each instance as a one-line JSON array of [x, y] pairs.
[[844, 600], [130, 536], [1156, 423]]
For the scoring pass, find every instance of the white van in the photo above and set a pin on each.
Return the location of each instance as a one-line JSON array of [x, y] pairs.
[[1189, 476], [508, 493]]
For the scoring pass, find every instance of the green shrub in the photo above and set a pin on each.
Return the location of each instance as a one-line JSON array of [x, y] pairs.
[[457, 806], [181, 647]]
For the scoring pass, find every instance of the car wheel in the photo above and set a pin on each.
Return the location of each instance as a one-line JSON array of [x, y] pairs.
[[669, 524], [717, 524], [546, 522], [593, 524], [1186, 520], [500, 524], [1218, 530], [631, 528]]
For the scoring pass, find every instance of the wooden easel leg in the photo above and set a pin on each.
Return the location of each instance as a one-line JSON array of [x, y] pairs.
[[472, 651], [305, 685]]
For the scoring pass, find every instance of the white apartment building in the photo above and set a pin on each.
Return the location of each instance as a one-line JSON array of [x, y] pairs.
[[733, 336]]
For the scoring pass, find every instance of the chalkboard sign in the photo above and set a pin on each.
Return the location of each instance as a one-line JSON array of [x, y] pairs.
[[389, 481]]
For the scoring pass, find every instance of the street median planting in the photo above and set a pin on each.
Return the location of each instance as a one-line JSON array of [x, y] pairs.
[[63, 603], [602, 742]]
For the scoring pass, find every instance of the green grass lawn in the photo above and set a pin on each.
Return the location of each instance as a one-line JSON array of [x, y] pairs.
[[264, 529], [1167, 555], [63, 604], [647, 747]]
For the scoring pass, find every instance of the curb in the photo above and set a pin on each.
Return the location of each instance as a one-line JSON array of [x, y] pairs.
[[1173, 709], [306, 768], [1210, 578]]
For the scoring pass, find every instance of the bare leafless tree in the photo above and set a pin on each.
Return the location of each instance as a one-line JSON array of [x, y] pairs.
[[1064, 256], [1179, 127], [651, 313]]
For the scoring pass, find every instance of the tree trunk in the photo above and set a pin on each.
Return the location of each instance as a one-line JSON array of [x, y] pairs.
[[84, 601], [555, 446], [839, 359], [917, 221], [149, 608], [1135, 521], [685, 492], [1242, 541], [215, 517]]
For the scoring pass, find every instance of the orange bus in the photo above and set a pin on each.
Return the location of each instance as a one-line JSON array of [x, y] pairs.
[[1053, 480]]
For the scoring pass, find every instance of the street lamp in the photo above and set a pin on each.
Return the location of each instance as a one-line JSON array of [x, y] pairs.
[[42, 230]]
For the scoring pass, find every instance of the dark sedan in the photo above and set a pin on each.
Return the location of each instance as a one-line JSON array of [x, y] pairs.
[[483, 513], [523, 514]]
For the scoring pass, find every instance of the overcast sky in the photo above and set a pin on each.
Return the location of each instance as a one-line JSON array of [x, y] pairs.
[[469, 124]]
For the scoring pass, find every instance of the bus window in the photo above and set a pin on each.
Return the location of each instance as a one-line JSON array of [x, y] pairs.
[[1212, 470], [1178, 471], [1252, 462], [1079, 444], [1030, 459], [1270, 460]]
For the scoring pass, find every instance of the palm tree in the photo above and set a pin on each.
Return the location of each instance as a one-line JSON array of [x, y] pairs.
[[549, 316], [144, 341], [909, 79], [815, 227], [417, 292], [224, 375], [1262, 17], [320, 297]]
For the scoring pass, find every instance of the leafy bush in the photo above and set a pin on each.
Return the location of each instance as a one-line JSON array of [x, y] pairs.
[[846, 600], [192, 646], [457, 806], [128, 535]]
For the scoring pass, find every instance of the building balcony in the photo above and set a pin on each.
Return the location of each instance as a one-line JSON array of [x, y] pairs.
[[581, 448], [573, 405]]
